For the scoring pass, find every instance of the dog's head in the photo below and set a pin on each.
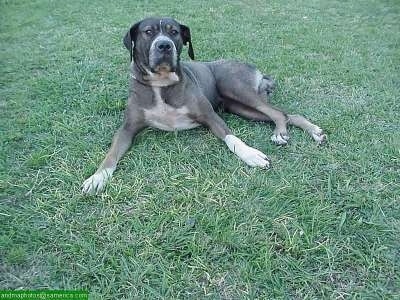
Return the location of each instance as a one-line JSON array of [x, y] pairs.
[[156, 43]]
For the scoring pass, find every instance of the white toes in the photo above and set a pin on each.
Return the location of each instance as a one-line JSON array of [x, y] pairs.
[[280, 139], [95, 183], [255, 158], [318, 135], [250, 156], [317, 130]]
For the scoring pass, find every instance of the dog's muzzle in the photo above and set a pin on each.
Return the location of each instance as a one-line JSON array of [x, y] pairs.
[[162, 55]]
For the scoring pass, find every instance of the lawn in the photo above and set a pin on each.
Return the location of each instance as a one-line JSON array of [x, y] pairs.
[[183, 218]]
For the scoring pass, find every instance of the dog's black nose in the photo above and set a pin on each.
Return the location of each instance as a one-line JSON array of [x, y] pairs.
[[164, 46]]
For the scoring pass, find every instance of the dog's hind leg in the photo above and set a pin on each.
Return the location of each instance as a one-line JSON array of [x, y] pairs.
[[243, 110], [244, 91], [247, 112], [312, 129], [266, 87]]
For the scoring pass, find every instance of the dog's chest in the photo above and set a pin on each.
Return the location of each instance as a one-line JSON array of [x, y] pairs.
[[167, 117]]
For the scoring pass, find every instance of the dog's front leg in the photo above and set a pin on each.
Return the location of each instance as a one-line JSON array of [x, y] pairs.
[[121, 142], [249, 155]]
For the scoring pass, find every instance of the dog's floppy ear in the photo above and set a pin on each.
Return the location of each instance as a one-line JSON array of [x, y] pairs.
[[130, 38], [186, 38]]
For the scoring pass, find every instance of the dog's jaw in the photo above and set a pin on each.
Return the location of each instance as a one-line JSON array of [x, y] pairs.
[[161, 79]]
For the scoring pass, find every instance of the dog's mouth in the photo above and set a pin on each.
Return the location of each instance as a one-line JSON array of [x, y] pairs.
[[163, 68], [162, 74], [163, 63]]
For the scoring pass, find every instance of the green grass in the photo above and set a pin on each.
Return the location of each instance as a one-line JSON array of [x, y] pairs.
[[183, 218]]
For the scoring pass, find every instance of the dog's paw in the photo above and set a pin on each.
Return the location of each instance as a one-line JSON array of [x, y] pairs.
[[254, 158], [280, 138], [250, 156], [318, 135], [95, 183]]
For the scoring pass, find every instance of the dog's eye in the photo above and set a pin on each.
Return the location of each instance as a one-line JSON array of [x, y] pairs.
[[149, 32], [174, 32]]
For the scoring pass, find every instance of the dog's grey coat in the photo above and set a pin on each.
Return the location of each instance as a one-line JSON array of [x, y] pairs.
[[172, 95]]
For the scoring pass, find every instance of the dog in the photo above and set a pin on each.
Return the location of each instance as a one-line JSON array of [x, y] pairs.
[[168, 94]]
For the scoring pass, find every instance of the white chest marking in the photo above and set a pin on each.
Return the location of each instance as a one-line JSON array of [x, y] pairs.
[[166, 117]]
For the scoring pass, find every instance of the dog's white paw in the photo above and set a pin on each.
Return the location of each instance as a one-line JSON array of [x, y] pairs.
[[280, 138], [95, 183], [250, 156], [254, 158], [318, 134]]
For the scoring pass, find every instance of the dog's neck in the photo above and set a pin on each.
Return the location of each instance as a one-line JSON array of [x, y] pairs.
[[143, 75]]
